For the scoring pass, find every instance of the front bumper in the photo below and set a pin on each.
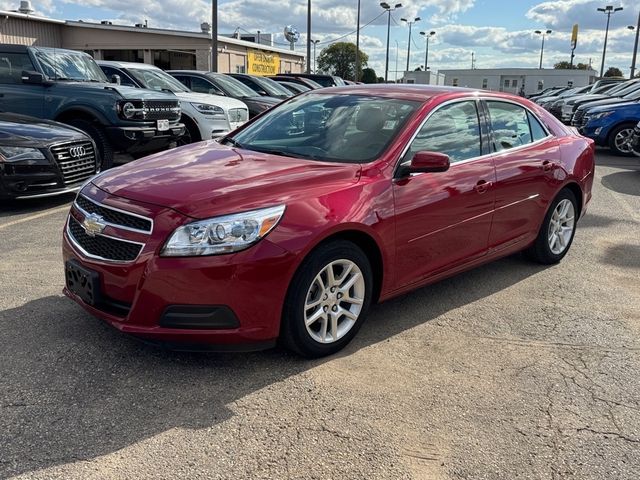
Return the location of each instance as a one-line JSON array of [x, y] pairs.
[[143, 139], [249, 286]]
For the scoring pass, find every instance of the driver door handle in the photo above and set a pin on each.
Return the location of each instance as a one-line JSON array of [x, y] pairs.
[[482, 186]]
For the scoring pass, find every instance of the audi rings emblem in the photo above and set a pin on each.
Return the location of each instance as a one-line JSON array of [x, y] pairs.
[[76, 152]]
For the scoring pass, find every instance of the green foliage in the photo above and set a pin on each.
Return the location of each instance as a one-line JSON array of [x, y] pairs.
[[613, 72], [369, 76], [340, 59], [564, 65], [380, 79]]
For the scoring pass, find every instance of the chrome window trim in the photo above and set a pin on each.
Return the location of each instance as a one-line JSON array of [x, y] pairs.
[[115, 225], [399, 164], [83, 252]]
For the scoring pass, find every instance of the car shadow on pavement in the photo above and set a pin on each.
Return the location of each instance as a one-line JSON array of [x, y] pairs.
[[11, 208], [72, 388]]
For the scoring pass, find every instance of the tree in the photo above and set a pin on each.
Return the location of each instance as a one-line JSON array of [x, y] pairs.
[[613, 72], [564, 65], [340, 59], [380, 79], [369, 76]]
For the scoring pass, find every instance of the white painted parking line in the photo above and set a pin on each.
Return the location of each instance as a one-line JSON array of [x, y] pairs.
[[34, 217]]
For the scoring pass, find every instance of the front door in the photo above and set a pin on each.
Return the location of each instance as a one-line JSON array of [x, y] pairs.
[[443, 219], [15, 96]]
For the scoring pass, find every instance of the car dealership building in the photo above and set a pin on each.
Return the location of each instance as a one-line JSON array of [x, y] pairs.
[[167, 49]]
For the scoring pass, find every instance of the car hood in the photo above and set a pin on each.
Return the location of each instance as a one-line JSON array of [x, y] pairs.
[[584, 98], [604, 101], [217, 100], [20, 130], [207, 179], [612, 106], [129, 93]]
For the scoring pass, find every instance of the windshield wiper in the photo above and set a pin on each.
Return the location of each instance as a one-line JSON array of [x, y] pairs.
[[231, 141]]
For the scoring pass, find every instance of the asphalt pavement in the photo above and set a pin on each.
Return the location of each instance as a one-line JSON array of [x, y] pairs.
[[509, 371]]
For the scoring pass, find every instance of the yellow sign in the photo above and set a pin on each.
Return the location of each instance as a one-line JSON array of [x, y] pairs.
[[574, 36], [262, 63]]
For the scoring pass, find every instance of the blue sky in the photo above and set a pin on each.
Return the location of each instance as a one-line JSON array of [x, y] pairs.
[[500, 33]]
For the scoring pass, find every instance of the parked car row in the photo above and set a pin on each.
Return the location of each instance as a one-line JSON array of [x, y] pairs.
[[125, 110], [607, 112]]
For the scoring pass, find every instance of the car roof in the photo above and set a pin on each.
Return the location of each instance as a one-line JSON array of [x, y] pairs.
[[193, 72], [406, 91], [114, 63]]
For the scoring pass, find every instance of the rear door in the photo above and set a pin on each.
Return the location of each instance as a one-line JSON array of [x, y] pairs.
[[443, 219], [15, 96], [526, 158]]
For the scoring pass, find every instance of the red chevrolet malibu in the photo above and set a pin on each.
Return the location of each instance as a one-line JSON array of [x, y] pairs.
[[293, 225]]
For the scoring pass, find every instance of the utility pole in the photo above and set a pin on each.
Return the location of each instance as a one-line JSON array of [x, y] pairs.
[[357, 44], [410, 23], [308, 36], [388, 8], [315, 42], [608, 10], [473, 60], [635, 46], [214, 35]]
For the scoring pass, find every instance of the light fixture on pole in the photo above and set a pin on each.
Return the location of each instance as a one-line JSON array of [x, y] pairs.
[[214, 35], [545, 33], [388, 8], [635, 46], [410, 23], [608, 10], [357, 44], [426, 55], [315, 42]]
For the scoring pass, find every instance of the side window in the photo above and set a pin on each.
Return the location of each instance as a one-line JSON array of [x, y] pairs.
[[453, 129], [12, 65], [509, 125], [201, 85], [183, 79], [537, 130], [124, 78]]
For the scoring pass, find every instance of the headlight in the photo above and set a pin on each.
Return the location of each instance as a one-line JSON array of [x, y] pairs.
[[600, 115], [207, 109], [220, 235], [17, 154]]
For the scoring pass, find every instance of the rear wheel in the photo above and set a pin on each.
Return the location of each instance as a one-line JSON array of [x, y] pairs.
[[328, 300], [557, 230], [191, 132], [99, 137], [621, 140]]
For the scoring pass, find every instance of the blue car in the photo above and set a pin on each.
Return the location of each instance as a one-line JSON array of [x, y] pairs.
[[612, 126]]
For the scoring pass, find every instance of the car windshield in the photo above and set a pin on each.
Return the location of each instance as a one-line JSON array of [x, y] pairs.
[[629, 91], [231, 86], [272, 87], [157, 80], [67, 65], [332, 128], [624, 88]]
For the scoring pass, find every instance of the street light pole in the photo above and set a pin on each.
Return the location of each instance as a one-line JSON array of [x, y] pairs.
[[395, 77], [608, 10], [357, 44], [545, 33], [426, 55], [214, 35], [388, 8], [308, 36], [635, 46], [410, 23], [315, 42]]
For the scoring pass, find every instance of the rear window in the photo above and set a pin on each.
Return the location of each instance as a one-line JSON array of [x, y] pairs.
[[12, 65]]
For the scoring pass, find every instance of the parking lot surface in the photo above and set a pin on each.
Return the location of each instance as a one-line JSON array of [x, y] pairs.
[[509, 371]]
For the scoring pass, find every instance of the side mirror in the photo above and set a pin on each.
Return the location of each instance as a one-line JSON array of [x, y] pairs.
[[116, 79], [429, 162], [263, 93], [34, 78], [213, 91]]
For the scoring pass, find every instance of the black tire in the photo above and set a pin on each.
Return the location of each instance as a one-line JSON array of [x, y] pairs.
[[294, 332], [97, 134], [191, 132], [625, 127], [541, 251]]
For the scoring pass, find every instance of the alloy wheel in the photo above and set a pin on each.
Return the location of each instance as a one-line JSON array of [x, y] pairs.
[[561, 226], [334, 301], [623, 140]]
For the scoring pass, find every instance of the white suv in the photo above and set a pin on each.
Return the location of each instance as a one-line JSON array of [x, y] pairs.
[[205, 116]]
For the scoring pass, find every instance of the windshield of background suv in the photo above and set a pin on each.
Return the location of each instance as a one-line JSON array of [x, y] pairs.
[[331, 128], [157, 80], [231, 86], [622, 87], [67, 65]]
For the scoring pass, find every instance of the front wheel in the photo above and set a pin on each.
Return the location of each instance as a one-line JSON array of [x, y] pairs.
[[557, 230], [328, 300], [621, 140]]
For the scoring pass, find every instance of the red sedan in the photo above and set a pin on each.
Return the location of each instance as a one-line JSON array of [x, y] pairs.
[[293, 225]]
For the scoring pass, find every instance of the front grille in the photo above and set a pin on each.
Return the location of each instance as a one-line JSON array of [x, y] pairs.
[[237, 115], [578, 117], [115, 217], [106, 248], [77, 161], [162, 110]]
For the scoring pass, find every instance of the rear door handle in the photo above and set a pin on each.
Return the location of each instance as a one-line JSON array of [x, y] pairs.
[[547, 166], [482, 186]]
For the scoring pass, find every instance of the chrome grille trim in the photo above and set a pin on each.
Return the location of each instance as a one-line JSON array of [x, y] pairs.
[[115, 225], [75, 169]]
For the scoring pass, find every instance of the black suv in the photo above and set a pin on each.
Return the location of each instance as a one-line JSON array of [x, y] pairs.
[[69, 87], [40, 158]]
